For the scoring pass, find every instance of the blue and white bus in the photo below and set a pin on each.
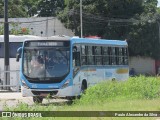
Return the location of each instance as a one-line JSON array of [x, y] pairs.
[[67, 66]]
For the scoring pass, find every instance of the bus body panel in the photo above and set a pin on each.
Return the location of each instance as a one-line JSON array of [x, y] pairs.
[[95, 75]]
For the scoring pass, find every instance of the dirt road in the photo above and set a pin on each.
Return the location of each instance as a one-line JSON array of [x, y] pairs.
[[12, 99]]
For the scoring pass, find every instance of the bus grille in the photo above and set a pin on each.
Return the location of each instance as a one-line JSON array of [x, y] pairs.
[[45, 92]]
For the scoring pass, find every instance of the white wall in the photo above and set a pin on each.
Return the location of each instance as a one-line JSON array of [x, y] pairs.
[[38, 24], [142, 65]]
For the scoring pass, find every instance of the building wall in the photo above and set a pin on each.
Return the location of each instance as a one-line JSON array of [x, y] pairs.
[[142, 65], [50, 26]]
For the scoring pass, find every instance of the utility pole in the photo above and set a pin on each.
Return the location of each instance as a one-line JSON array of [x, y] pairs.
[[47, 27], [158, 31], [6, 45], [81, 18], [54, 26]]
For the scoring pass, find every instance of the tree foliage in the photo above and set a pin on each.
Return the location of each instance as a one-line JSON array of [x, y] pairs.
[[97, 13], [15, 9], [30, 6], [24, 8], [47, 8], [133, 20], [137, 21]]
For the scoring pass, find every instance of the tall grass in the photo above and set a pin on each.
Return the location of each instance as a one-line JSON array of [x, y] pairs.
[[134, 88]]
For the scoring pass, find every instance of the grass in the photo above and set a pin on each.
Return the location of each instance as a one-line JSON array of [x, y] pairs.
[[136, 94], [134, 88], [120, 105]]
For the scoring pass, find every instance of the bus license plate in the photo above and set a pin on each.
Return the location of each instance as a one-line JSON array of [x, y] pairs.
[[44, 94]]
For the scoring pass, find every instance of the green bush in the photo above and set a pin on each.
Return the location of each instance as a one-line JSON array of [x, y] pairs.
[[135, 88]]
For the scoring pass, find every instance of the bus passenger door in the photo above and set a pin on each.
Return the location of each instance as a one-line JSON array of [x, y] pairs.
[[76, 68]]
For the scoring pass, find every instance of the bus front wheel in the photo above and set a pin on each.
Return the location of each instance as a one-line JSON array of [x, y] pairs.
[[83, 86], [37, 99]]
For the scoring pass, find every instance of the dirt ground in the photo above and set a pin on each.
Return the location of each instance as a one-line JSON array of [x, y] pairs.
[[12, 99]]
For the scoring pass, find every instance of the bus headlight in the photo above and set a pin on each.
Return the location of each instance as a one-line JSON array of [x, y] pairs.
[[24, 85], [65, 84]]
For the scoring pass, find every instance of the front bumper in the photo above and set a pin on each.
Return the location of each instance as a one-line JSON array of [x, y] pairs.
[[65, 92]]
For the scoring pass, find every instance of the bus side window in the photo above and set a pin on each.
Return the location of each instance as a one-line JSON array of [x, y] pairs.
[[125, 56], [120, 56], [113, 56], [98, 55], [1, 50], [110, 55], [117, 55], [105, 55], [90, 56], [83, 55], [83, 51]]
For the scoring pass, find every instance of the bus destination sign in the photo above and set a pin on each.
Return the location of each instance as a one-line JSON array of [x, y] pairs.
[[46, 44], [49, 43]]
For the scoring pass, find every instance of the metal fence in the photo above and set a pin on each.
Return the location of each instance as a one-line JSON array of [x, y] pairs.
[[9, 80]]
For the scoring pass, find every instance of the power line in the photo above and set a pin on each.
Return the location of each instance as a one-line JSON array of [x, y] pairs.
[[28, 22], [102, 18]]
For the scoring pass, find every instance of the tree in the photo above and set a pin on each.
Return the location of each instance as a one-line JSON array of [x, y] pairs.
[[30, 6], [117, 19], [144, 38], [15, 9], [97, 12], [47, 8]]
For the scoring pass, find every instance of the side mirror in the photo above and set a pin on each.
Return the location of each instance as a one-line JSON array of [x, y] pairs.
[[17, 57], [76, 56], [19, 51]]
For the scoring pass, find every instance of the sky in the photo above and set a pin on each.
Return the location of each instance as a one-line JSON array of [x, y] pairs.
[[158, 2]]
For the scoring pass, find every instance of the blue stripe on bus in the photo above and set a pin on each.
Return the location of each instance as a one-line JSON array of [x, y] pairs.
[[99, 41]]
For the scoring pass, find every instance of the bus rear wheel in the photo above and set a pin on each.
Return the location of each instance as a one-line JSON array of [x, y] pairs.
[[37, 99]]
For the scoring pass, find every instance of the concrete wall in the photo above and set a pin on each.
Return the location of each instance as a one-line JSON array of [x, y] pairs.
[[142, 65], [38, 24]]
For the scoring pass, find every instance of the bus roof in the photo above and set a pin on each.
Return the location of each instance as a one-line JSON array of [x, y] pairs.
[[99, 41], [18, 38]]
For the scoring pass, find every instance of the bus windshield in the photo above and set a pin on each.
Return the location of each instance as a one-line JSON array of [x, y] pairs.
[[46, 63]]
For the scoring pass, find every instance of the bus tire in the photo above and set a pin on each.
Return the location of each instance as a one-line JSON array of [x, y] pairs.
[[37, 99], [113, 79], [70, 98], [83, 86]]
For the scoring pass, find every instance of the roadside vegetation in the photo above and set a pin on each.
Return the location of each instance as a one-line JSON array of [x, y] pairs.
[[134, 88], [136, 94]]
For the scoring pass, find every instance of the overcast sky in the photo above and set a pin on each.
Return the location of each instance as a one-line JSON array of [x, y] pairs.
[[158, 2]]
